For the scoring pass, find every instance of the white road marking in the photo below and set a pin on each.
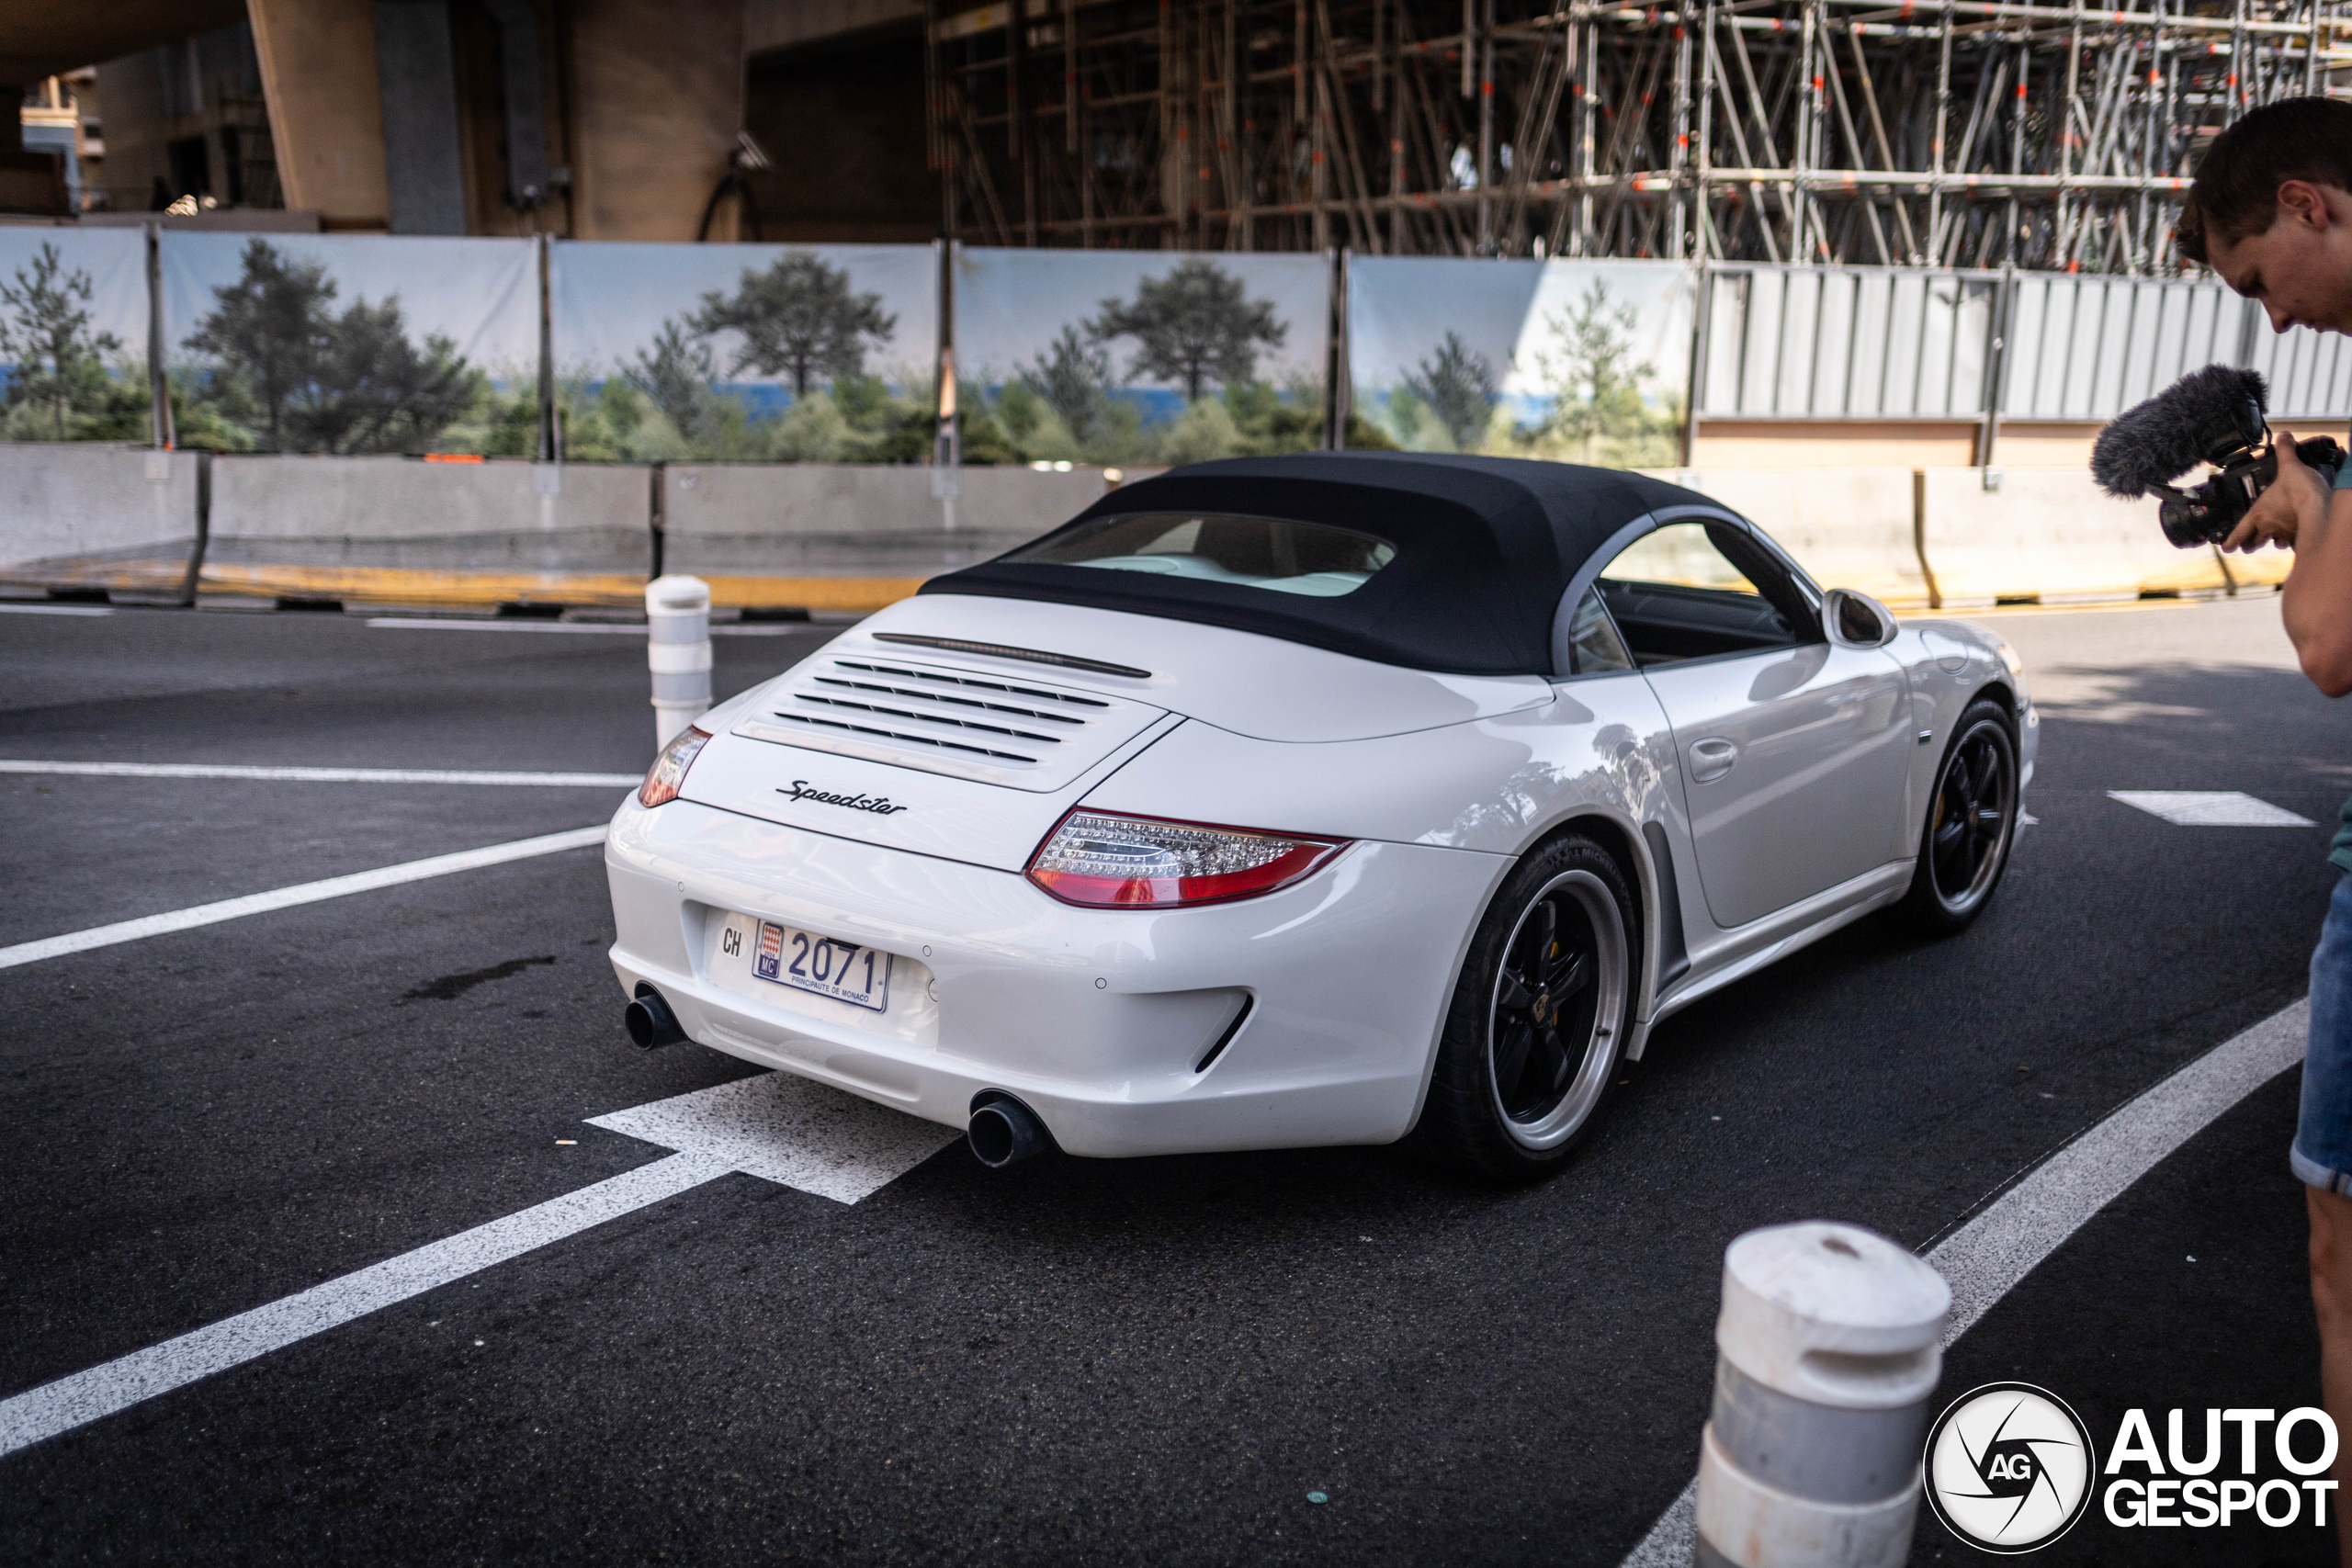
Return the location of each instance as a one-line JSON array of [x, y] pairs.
[[87, 1396], [322, 775], [790, 1130], [1984, 1258], [2209, 808], [419, 623], [784, 1129], [301, 893], [56, 609]]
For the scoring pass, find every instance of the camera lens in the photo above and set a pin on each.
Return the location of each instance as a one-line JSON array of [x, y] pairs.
[[2187, 524]]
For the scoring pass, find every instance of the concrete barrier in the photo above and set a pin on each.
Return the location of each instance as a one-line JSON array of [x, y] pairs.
[[818, 536], [82, 514], [402, 530], [2050, 535], [842, 538], [1850, 527]]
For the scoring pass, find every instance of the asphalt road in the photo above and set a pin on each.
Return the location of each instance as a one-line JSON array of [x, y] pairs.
[[1145, 1361]]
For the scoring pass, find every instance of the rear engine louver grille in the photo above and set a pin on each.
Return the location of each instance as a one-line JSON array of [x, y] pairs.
[[864, 697], [949, 720]]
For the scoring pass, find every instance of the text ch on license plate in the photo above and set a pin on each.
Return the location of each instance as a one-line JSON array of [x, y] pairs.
[[825, 966]]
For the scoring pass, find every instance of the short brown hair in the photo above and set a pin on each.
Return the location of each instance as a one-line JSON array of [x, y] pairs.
[[2235, 193]]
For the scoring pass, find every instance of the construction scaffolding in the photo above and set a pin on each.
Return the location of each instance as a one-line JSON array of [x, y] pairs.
[[1968, 133]]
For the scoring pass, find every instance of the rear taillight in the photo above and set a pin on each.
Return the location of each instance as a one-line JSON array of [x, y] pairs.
[[668, 773], [1107, 862]]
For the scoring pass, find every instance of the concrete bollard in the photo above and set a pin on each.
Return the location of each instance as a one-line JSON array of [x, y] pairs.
[[677, 648], [1829, 1349]]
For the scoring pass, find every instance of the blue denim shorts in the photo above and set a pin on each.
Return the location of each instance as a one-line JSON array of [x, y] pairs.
[[2322, 1152]]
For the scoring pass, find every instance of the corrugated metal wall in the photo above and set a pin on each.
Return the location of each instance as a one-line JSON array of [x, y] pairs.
[[1895, 343]]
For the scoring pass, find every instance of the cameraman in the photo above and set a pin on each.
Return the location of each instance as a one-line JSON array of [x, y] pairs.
[[2270, 212]]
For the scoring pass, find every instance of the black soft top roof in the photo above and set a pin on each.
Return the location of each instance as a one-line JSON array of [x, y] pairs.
[[1484, 548]]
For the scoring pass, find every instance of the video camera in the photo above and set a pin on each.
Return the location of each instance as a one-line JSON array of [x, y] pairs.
[[2214, 415]]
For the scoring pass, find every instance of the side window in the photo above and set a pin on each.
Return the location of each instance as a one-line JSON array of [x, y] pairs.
[[1696, 590], [1594, 648]]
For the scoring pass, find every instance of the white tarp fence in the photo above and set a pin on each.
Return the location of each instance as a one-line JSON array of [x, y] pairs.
[[349, 343], [73, 334], [1584, 360], [793, 352], [1133, 357]]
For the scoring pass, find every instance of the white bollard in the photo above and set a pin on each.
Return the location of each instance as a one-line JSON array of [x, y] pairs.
[[1829, 1348], [677, 648]]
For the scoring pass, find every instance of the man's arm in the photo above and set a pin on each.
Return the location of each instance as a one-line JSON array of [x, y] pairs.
[[2317, 602], [2300, 514]]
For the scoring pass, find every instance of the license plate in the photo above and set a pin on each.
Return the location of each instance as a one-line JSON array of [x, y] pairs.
[[825, 966]]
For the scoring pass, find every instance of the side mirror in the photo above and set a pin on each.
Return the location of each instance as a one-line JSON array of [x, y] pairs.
[[1856, 620]]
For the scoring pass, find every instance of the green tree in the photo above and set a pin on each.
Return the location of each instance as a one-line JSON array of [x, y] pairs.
[[798, 319], [1074, 378], [55, 363], [319, 381], [678, 374], [1196, 326], [1596, 379], [1460, 388]]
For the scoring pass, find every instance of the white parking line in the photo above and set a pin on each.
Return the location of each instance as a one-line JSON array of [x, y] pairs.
[[2209, 808], [321, 775], [791, 1132], [423, 624], [56, 609], [301, 893], [1984, 1258], [785, 1129], [86, 1396]]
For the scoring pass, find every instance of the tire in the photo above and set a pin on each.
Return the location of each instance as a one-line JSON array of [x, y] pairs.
[[1538, 1021], [1972, 823]]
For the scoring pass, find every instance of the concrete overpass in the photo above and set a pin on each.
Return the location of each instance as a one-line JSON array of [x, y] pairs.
[[612, 119]]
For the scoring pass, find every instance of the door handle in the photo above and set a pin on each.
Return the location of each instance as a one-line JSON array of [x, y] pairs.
[[1710, 759]]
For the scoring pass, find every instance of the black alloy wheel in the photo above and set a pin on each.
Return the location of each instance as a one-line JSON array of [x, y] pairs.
[[1539, 1018], [1544, 998], [1971, 822]]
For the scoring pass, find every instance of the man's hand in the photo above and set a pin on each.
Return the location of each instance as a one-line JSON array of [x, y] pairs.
[[2280, 513]]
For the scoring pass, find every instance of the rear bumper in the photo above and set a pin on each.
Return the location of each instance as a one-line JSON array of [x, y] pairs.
[[1098, 1020]]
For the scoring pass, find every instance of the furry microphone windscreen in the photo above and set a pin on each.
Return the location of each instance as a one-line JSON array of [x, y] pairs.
[[2152, 443]]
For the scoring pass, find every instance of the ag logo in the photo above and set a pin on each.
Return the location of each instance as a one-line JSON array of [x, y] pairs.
[[2009, 1467]]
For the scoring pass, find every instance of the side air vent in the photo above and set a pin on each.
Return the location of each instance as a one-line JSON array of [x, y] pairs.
[[942, 719]]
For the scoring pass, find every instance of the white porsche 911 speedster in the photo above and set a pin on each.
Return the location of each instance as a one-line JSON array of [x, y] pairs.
[[1331, 798]]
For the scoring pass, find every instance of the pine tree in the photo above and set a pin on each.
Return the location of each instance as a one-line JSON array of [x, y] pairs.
[[677, 373], [55, 361], [1196, 326], [1074, 378], [1596, 380], [317, 381], [798, 319], [1461, 387]]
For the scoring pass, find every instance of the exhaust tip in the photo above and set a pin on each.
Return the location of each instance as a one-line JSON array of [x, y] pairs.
[[650, 1022], [1005, 1132]]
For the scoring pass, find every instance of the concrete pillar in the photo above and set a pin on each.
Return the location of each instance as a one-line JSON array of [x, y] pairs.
[[425, 169], [319, 74], [657, 101]]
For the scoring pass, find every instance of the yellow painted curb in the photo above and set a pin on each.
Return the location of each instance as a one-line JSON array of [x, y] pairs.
[[387, 586], [811, 592]]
